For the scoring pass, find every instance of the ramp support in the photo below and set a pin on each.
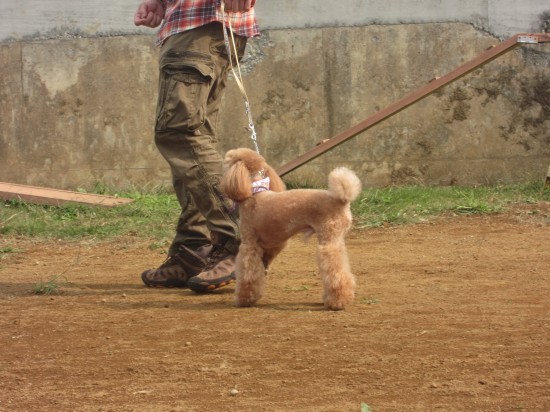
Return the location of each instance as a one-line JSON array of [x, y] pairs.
[[435, 84]]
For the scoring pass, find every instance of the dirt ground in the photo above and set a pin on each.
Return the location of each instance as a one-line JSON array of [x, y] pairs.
[[451, 315]]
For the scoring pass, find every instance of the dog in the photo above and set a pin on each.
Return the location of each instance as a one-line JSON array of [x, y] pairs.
[[270, 215]]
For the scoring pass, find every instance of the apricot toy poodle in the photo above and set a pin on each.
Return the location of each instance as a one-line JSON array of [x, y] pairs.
[[270, 215]]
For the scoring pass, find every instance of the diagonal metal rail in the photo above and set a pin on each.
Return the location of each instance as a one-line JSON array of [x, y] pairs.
[[490, 54]]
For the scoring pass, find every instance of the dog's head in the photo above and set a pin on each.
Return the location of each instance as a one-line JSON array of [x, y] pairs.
[[240, 168]]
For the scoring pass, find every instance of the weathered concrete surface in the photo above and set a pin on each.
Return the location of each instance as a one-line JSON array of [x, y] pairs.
[[78, 112], [75, 112], [491, 126], [25, 19]]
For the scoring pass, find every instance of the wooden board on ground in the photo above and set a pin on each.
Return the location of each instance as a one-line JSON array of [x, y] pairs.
[[56, 197]]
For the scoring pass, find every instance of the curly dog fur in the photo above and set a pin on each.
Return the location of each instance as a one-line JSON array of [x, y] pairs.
[[269, 218]]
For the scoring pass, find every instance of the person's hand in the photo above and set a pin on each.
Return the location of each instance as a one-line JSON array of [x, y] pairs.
[[149, 13], [239, 5]]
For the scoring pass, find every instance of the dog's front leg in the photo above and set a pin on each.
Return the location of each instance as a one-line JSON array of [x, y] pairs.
[[250, 271]]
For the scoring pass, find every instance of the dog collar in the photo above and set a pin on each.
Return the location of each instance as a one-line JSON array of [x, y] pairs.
[[261, 185]]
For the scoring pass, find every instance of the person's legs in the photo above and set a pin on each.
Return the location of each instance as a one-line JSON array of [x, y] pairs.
[[191, 229], [193, 74]]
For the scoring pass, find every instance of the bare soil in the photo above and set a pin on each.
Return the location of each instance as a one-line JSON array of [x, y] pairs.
[[451, 315]]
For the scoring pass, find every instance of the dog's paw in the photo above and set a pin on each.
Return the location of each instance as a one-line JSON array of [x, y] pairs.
[[246, 300], [240, 304], [334, 306], [338, 302]]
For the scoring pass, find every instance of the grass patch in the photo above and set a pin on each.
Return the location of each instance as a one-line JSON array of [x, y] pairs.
[[154, 215], [6, 250], [52, 286], [411, 204], [151, 215]]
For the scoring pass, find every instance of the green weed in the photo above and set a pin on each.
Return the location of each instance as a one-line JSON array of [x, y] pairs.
[[4, 251], [365, 407], [52, 286], [297, 288], [369, 301]]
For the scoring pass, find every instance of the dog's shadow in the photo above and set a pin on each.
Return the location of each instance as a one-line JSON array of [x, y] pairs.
[[208, 304], [291, 307], [215, 301]]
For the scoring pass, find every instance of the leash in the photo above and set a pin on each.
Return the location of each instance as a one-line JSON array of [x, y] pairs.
[[231, 48]]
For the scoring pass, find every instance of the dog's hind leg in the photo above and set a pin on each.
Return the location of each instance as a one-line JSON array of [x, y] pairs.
[[250, 271], [338, 281]]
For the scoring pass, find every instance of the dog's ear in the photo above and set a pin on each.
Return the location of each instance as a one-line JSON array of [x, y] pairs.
[[236, 182], [276, 184]]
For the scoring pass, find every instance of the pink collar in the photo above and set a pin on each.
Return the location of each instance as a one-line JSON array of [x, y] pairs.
[[261, 185]]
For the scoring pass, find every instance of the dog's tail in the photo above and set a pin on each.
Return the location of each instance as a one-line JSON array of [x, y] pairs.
[[344, 184]]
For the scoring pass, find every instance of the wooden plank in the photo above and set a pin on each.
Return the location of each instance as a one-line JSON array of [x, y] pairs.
[[435, 84], [56, 197]]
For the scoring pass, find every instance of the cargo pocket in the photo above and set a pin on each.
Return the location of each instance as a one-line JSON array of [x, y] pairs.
[[218, 46], [185, 81]]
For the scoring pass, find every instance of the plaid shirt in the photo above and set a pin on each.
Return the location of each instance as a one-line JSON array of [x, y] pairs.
[[182, 15]]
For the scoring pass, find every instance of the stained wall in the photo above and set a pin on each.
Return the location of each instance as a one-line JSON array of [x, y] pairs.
[[77, 100]]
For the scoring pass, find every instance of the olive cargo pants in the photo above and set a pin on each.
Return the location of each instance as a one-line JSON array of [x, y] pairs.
[[193, 73]]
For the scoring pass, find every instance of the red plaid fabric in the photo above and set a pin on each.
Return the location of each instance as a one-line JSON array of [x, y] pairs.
[[182, 15]]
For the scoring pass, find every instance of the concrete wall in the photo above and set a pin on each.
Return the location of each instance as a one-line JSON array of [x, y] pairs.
[[52, 18], [78, 89]]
